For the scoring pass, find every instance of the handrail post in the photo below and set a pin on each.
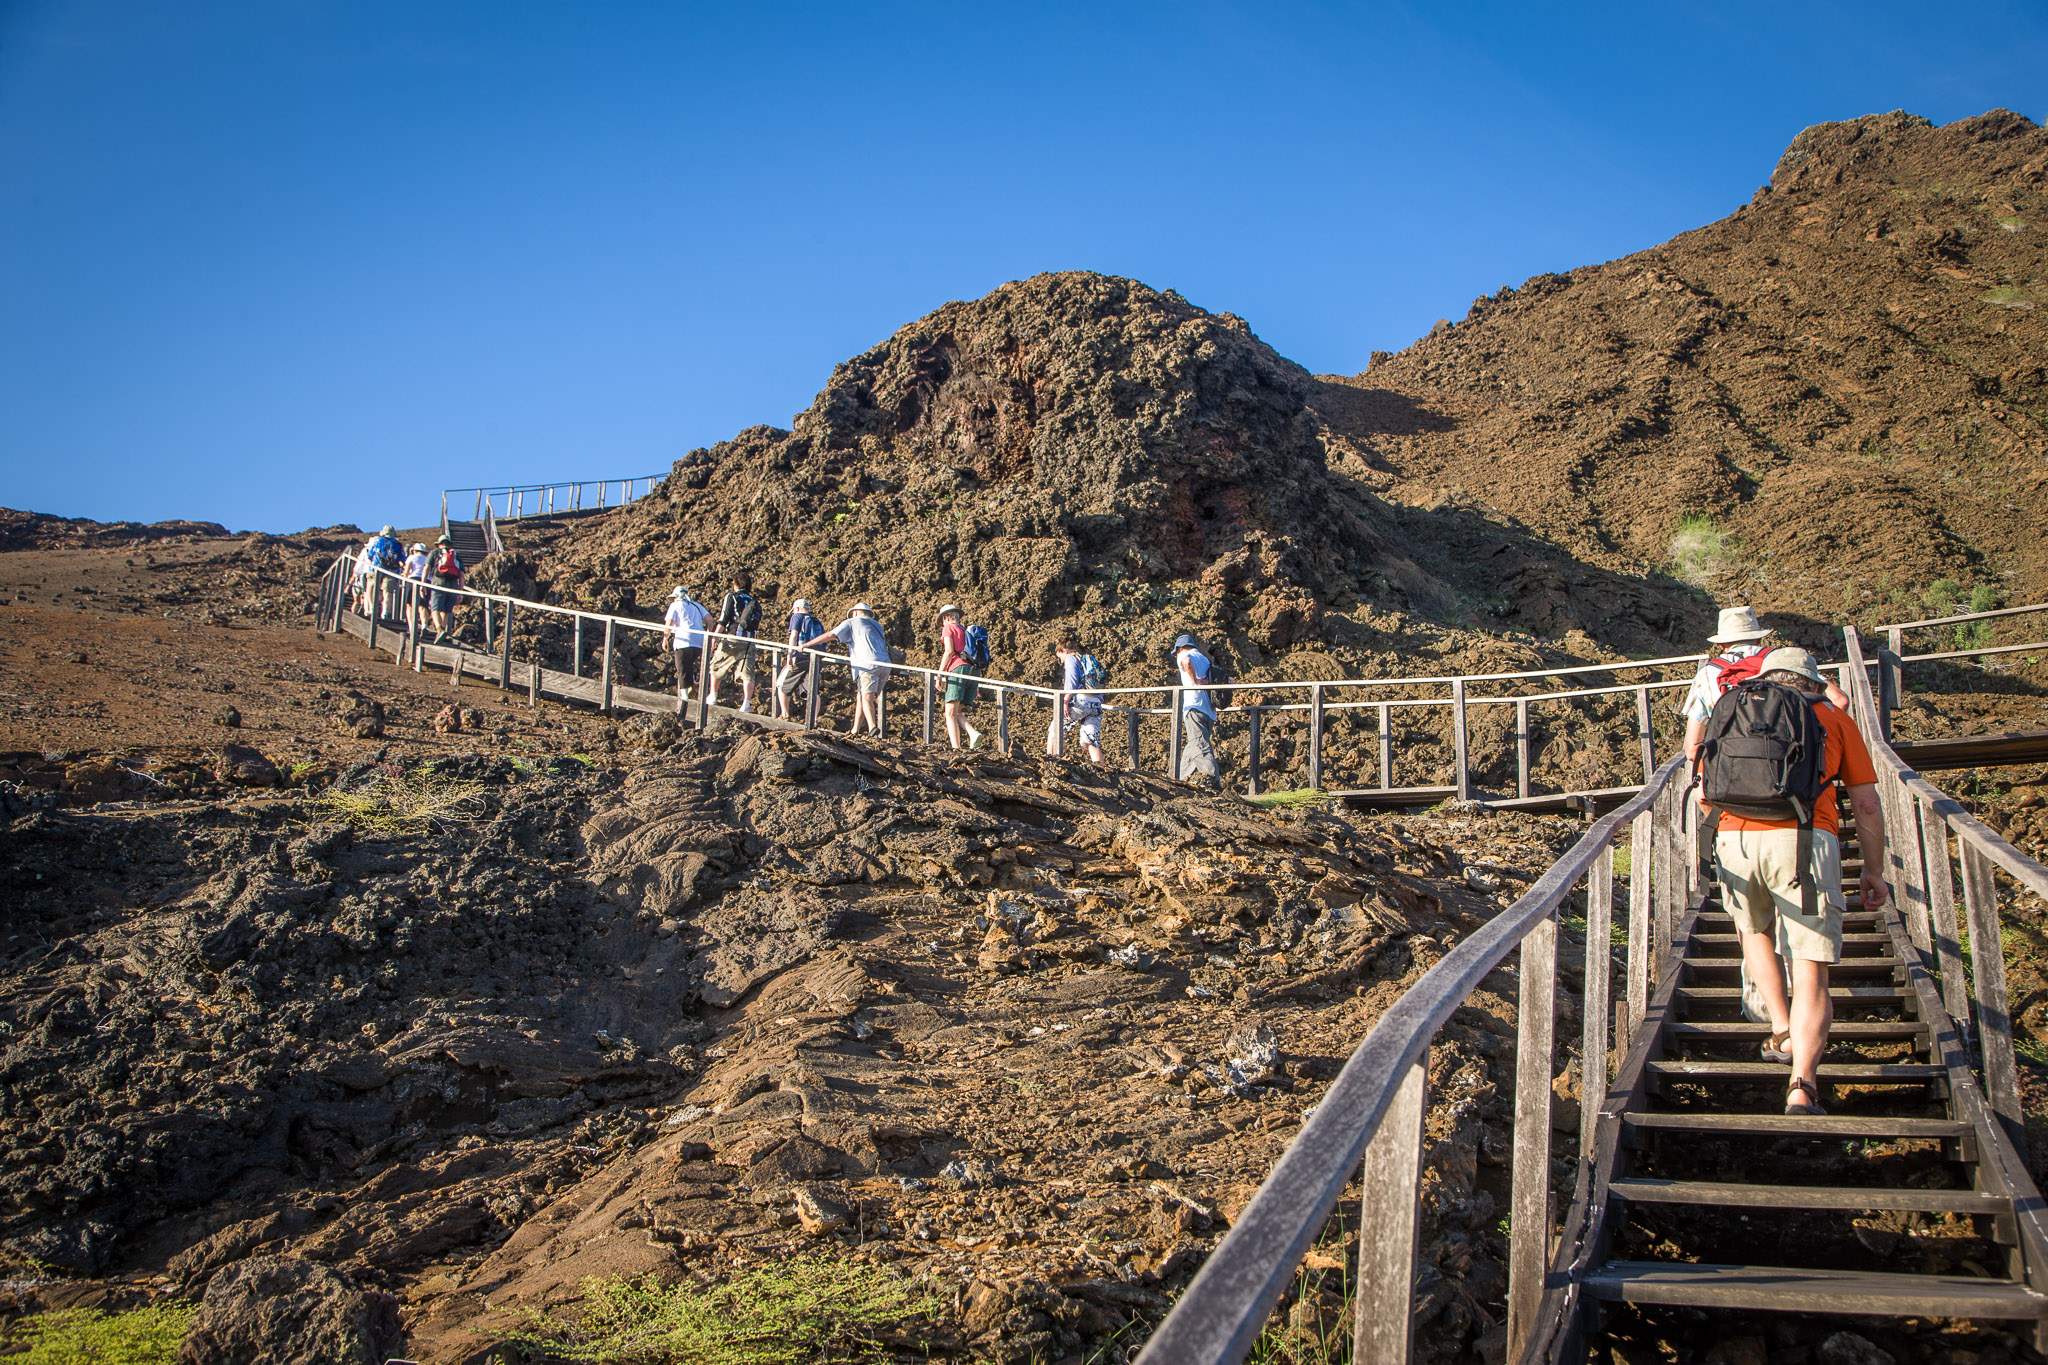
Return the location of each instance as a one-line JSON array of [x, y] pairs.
[[1131, 737], [533, 678], [1529, 1199], [1639, 943], [1390, 1180], [1059, 725], [930, 687], [1251, 784], [611, 629], [1664, 873], [1315, 736], [1646, 736], [1173, 736], [1599, 961], [505, 649], [1386, 747], [1003, 718], [490, 631], [811, 690], [704, 684], [1941, 905], [576, 649], [1464, 774], [1994, 1020], [376, 584], [1522, 747]]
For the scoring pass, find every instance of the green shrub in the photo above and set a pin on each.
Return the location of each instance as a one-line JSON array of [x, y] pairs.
[[1941, 596], [2006, 296], [1698, 550], [1985, 597], [88, 1336], [815, 1309], [1288, 800]]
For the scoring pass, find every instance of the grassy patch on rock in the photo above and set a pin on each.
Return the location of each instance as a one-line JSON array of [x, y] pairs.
[[90, 1336], [804, 1310]]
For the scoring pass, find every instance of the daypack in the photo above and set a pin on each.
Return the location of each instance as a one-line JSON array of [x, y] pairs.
[[1093, 674], [976, 650], [1735, 672], [385, 555], [741, 614], [1762, 756], [449, 564], [806, 628]]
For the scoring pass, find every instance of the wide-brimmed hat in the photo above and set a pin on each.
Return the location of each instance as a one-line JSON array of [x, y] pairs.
[[443, 540], [389, 530], [1791, 659], [1737, 625], [418, 548], [1186, 642], [861, 606], [680, 592], [950, 606]]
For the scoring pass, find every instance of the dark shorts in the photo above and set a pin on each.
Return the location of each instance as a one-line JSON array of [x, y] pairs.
[[961, 685], [688, 661], [444, 601]]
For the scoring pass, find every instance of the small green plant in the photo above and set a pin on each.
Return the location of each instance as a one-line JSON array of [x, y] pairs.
[[814, 1309], [90, 1336], [1698, 550], [2006, 296], [1941, 596], [398, 804], [1985, 597], [1973, 635], [1298, 798], [2013, 224]]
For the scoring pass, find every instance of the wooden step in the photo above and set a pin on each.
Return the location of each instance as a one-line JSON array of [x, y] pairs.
[[1854, 964], [1894, 1073], [1645, 1189], [1848, 940], [1846, 1028], [1812, 1291], [1732, 995], [1785, 1125]]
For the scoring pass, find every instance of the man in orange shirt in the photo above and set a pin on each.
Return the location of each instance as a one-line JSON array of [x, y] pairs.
[[1759, 873]]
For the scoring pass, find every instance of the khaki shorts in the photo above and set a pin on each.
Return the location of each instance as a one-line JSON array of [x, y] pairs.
[[732, 660], [1759, 874]]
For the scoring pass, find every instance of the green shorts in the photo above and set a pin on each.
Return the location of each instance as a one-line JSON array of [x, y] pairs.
[[961, 685], [732, 659]]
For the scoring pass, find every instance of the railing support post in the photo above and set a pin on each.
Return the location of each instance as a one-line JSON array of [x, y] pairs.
[[1529, 1200], [505, 649], [1315, 736], [1131, 737], [1464, 774], [704, 685], [1646, 736], [611, 631], [811, 690], [1173, 736], [930, 687], [1003, 719], [1599, 960], [1639, 945], [1522, 747], [1994, 1018], [576, 649], [1251, 781], [1386, 746], [1390, 1179], [1058, 747], [1941, 906]]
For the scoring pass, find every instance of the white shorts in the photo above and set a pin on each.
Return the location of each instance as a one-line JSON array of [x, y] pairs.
[[1759, 875]]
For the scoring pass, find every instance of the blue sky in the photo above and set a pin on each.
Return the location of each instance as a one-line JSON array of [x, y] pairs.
[[291, 262]]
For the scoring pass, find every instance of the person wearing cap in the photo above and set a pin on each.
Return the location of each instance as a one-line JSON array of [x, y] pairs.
[[961, 675], [682, 633], [1760, 885], [1738, 638], [383, 556], [1197, 716], [416, 570], [803, 628], [444, 566], [867, 648]]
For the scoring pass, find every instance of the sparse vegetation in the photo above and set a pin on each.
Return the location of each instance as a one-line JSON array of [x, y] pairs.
[[396, 804], [2006, 296], [1298, 798], [90, 1336], [1698, 550], [2012, 224], [816, 1309]]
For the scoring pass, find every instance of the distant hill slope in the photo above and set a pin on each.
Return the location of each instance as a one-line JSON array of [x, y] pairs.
[[1845, 377]]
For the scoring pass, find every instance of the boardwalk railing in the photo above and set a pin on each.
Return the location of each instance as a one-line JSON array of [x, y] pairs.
[[1312, 706], [1892, 658], [513, 501]]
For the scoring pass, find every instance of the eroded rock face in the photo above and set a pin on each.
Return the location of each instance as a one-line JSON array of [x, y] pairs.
[[272, 1311]]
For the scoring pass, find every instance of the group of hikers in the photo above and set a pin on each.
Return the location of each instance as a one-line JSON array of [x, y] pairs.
[[963, 657], [439, 571], [1767, 739]]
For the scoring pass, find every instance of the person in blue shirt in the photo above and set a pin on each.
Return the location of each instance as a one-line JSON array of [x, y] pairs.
[[867, 649], [803, 628], [1197, 716]]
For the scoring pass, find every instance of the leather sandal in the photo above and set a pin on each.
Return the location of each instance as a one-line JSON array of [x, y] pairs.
[[1795, 1107], [1777, 1048]]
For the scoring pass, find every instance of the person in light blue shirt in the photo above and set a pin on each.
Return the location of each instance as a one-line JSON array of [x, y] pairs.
[[868, 649], [1197, 716]]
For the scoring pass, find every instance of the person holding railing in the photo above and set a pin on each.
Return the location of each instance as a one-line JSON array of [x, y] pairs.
[[1197, 716], [682, 635], [868, 650], [803, 628], [962, 675], [1079, 709], [445, 567], [738, 615]]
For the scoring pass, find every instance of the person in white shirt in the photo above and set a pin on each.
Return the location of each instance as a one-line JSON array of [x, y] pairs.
[[1078, 710], [416, 569], [868, 650], [682, 630], [1197, 715], [1739, 637]]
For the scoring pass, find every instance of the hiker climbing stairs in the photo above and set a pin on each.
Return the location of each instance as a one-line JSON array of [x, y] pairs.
[[1722, 1201], [472, 540]]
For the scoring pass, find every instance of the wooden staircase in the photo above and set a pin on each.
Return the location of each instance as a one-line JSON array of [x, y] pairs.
[[1718, 1200]]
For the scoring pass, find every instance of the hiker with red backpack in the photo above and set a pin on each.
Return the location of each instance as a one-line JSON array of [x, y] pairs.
[[963, 654], [1771, 753], [444, 567], [1740, 645]]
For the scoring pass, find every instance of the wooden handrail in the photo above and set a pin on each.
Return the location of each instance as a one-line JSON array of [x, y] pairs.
[[1966, 616]]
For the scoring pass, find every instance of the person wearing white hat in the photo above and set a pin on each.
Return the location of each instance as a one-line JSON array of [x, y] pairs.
[[416, 569], [803, 628], [682, 631], [961, 673], [1738, 647], [868, 650]]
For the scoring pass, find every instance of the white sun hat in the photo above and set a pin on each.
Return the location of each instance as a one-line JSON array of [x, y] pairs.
[[1737, 625]]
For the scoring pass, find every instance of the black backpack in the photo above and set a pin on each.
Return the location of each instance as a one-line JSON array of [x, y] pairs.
[[1763, 756], [742, 614]]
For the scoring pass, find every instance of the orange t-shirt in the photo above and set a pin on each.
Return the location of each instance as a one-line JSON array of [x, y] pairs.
[[1845, 758]]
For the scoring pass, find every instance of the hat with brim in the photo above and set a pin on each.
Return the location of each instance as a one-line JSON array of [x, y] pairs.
[[952, 607], [1737, 625], [443, 540], [389, 531], [861, 606], [418, 548], [680, 592], [801, 605], [1791, 659], [1185, 642]]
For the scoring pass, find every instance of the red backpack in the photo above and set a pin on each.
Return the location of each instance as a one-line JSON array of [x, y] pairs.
[[1733, 673]]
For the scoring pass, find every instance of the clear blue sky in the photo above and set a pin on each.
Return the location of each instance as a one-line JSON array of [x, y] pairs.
[[291, 262]]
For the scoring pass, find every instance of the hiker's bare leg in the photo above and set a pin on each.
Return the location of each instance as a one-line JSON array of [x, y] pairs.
[[1094, 753], [1813, 1011], [1766, 969], [953, 719]]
